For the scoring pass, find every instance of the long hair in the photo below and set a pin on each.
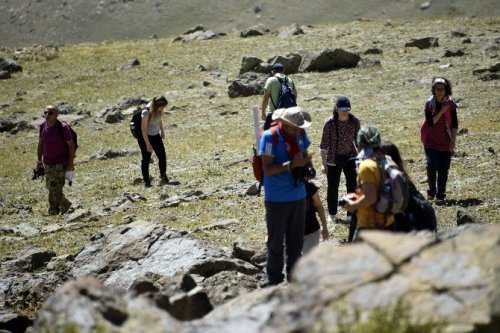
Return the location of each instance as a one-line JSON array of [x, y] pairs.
[[156, 106], [447, 85], [389, 148]]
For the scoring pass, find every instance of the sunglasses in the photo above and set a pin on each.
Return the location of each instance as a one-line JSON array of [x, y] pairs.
[[48, 112]]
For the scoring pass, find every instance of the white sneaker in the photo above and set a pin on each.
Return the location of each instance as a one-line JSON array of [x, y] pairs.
[[331, 218]]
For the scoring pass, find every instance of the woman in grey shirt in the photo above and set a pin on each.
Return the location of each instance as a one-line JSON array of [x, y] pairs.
[[152, 139]]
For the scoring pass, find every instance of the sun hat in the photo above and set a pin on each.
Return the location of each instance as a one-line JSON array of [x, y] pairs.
[[277, 66], [293, 116], [343, 104], [368, 138]]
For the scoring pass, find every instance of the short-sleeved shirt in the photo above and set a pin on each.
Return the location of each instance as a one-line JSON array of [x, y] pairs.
[[368, 217], [312, 223], [154, 123], [54, 143], [438, 137], [283, 187], [274, 87]]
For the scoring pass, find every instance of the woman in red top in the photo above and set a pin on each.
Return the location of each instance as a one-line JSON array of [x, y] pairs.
[[438, 134]]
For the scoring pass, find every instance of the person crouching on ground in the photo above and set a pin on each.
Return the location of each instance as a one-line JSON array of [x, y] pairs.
[[151, 139], [369, 182], [56, 152], [285, 193]]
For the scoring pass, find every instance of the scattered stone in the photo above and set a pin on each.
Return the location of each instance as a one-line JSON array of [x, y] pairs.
[[4, 75], [198, 33], [464, 217], [29, 260], [257, 30], [456, 33], [248, 84], [14, 322], [223, 224], [291, 62], [466, 41], [458, 53], [107, 153], [14, 125], [490, 151], [490, 77], [113, 117], [423, 43], [77, 215], [425, 5], [373, 51], [253, 189], [329, 60], [289, 31], [9, 65], [132, 63]]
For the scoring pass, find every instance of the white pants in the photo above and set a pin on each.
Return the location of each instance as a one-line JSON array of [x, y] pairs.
[[310, 241]]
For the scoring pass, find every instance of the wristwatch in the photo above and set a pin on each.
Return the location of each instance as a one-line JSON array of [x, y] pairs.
[[288, 164]]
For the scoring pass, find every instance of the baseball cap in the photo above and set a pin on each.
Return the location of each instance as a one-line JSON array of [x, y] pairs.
[[343, 104]]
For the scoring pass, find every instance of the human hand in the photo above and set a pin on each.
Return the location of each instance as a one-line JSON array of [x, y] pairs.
[[324, 169], [263, 115], [325, 234], [300, 160], [350, 200], [149, 148]]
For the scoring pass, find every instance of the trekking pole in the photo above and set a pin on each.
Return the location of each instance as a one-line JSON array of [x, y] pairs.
[[256, 126]]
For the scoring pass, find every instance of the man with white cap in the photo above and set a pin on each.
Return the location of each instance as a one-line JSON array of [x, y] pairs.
[[283, 150], [369, 182]]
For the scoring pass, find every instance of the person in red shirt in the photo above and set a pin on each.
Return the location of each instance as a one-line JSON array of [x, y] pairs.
[[438, 135]]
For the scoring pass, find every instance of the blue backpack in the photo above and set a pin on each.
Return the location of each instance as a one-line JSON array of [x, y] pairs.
[[286, 97]]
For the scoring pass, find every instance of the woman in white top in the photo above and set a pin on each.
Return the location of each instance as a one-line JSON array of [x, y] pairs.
[[152, 139]]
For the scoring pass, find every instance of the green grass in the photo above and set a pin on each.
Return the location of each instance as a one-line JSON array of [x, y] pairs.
[[208, 151]]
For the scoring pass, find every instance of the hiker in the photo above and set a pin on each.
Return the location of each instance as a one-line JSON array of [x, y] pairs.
[[151, 139], [56, 153], [272, 90], [369, 182], [313, 206], [438, 135], [419, 214], [285, 193], [338, 152]]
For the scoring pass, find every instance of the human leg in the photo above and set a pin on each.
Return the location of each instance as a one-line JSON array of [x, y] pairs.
[[332, 194], [268, 121], [275, 222], [159, 150], [443, 168], [350, 179], [310, 242], [431, 166], [55, 182], [146, 159], [294, 239]]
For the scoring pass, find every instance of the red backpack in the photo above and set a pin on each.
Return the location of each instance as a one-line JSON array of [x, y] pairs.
[[258, 170]]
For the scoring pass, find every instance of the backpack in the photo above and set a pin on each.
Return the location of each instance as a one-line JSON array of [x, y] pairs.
[[394, 193], [135, 124], [419, 214], [258, 170], [286, 98], [74, 136]]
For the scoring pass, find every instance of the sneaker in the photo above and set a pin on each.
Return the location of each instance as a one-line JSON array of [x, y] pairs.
[[331, 218], [53, 211], [65, 207], [147, 185]]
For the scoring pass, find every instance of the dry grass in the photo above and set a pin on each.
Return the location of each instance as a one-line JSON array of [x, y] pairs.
[[208, 151]]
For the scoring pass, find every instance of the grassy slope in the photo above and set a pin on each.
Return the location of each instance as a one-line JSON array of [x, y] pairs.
[[208, 151]]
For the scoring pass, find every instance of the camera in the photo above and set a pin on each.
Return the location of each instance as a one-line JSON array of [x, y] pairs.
[[305, 171], [38, 172], [342, 202]]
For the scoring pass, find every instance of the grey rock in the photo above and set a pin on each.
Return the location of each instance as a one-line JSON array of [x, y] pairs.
[[449, 54], [108, 153], [13, 125], [29, 260], [457, 33], [291, 30], [4, 75], [113, 117], [329, 60], [291, 62], [249, 64], [423, 43], [464, 217], [14, 322], [257, 30], [248, 84], [9, 65]]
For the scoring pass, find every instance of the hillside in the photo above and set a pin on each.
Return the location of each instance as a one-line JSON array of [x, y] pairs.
[[47, 22]]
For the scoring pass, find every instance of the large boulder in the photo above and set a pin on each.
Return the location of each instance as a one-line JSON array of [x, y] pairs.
[[9, 65], [329, 60], [248, 84]]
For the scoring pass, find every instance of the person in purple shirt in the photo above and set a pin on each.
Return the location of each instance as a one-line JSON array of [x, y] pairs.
[[56, 152], [283, 161]]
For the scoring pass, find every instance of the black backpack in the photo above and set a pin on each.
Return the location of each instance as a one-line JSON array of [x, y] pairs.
[[59, 125], [135, 124], [286, 97], [419, 214]]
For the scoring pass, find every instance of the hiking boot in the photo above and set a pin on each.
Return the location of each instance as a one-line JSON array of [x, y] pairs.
[[65, 206], [164, 180], [147, 185], [53, 211]]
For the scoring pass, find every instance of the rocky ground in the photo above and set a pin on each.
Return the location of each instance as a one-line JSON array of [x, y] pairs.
[[120, 233]]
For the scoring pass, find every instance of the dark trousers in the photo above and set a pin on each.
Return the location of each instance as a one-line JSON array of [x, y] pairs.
[[267, 123], [438, 165], [333, 174], [285, 223], [159, 149]]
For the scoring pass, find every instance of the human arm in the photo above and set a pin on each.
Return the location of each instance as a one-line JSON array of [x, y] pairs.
[[144, 131], [162, 130], [270, 168], [325, 145], [39, 152], [366, 199], [324, 166], [265, 103], [71, 155], [322, 215]]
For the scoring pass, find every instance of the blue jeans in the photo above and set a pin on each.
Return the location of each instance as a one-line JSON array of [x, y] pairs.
[[285, 224], [438, 165]]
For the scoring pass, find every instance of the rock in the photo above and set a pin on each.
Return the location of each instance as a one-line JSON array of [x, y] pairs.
[[329, 60], [223, 224], [132, 63], [249, 64], [77, 215], [4, 75], [198, 33], [456, 33], [425, 5], [86, 305], [108, 153], [29, 260], [246, 250], [457, 53], [248, 84], [291, 30], [9, 65], [13, 125], [257, 30], [14, 322], [253, 189], [423, 43], [373, 51], [489, 77], [113, 117], [191, 305], [463, 218], [291, 62]]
